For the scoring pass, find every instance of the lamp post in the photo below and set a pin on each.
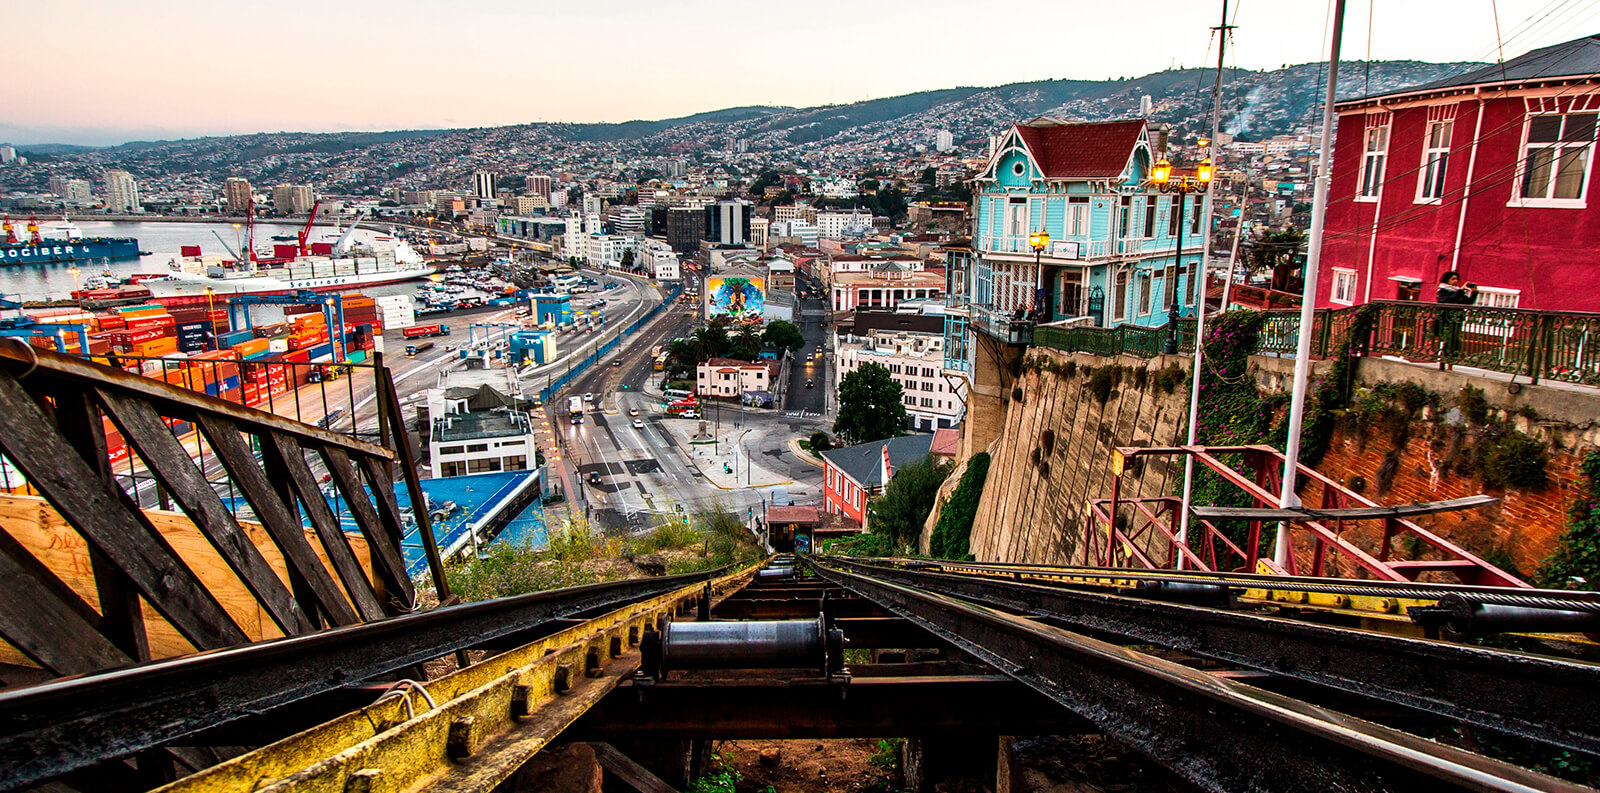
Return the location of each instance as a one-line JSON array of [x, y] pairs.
[[1183, 185], [1038, 241], [75, 294], [211, 321]]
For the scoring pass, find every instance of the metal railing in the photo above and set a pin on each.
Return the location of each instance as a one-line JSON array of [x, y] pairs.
[[1539, 345]]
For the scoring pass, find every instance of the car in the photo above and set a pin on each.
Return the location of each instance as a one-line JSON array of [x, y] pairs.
[[638, 424], [589, 397], [616, 362], [808, 384], [633, 411], [594, 477]]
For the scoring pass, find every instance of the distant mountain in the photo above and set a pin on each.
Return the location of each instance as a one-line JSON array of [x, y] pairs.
[[1256, 105], [36, 149]]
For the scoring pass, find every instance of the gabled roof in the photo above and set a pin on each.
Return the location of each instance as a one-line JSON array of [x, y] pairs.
[[1081, 149], [863, 462], [1576, 58]]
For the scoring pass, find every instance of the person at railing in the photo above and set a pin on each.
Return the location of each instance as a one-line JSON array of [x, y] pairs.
[[1453, 293]]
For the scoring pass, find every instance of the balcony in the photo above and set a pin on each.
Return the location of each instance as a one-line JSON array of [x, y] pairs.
[[1004, 328]]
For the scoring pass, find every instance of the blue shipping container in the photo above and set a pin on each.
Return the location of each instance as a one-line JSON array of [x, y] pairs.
[[324, 350], [236, 337]]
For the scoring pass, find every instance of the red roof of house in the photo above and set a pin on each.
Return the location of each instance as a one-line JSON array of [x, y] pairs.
[[808, 515], [946, 442], [1082, 150]]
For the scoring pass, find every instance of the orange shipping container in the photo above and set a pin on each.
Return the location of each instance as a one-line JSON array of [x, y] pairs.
[[156, 347], [250, 347]]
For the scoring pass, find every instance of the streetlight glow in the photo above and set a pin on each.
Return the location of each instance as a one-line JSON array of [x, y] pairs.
[[1161, 171], [1204, 171], [1039, 240]]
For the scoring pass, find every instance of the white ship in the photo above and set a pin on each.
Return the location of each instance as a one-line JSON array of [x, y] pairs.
[[349, 265]]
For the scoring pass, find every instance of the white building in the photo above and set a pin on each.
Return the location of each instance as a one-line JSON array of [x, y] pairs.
[[758, 232], [916, 361], [943, 141], [843, 225], [292, 199], [659, 259], [575, 244], [806, 233], [478, 430], [483, 184], [122, 193], [8, 153], [836, 188], [730, 378]]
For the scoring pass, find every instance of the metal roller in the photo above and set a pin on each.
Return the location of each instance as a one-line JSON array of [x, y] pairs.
[[1462, 618], [775, 574], [749, 644]]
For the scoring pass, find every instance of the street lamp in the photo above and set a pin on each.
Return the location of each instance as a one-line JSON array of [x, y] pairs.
[[1038, 241], [1183, 185], [211, 320]]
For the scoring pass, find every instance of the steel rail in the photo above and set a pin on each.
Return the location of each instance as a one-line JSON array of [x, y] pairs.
[[73, 723], [1217, 733], [1538, 698], [1526, 598]]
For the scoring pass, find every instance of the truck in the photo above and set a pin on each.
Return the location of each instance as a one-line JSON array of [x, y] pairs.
[[419, 331], [575, 409], [413, 349]]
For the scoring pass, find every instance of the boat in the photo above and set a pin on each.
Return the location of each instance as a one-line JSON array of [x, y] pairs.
[[71, 246]]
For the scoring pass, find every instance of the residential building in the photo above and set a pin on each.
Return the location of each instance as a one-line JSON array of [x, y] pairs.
[[8, 153], [538, 185], [780, 274], [795, 231], [659, 260], [528, 204], [483, 184], [1113, 253], [575, 244], [884, 286], [70, 189], [1486, 174], [944, 141], [293, 199], [122, 192], [842, 225], [915, 359], [854, 474], [58, 185], [800, 211], [478, 430], [236, 195], [730, 378]]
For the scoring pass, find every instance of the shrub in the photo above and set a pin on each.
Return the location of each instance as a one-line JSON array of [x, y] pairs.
[[1509, 458], [952, 535], [1474, 405], [1575, 563], [1103, 381], [820, 442]]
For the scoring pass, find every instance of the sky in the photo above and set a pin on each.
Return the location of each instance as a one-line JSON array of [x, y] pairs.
[[100, 72]]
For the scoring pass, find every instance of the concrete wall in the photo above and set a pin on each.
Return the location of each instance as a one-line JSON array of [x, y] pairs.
[[1035, 513]]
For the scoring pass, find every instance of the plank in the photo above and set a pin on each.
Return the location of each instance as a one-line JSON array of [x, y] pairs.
[[115, 526], [386, 560], [281, 525], [287, 450], [1346, 513], [381, 482], [78, 420], [170, 462], [57, 630], [625, 769]]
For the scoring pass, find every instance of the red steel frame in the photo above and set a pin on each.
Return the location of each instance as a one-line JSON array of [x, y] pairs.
[[1209, 549]]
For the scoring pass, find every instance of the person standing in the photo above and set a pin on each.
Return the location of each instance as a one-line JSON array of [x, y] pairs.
[[1453, 293]]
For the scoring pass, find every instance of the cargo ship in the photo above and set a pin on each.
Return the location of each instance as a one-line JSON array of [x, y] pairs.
[[36, 248], [193, 278]]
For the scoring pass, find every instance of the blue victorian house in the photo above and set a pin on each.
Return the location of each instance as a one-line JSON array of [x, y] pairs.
[[1111, 256]]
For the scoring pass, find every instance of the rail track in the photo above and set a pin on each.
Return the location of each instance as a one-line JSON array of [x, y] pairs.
[[1232, 682]]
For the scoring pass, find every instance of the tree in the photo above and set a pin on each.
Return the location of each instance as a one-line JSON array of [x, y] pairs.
[[820, 441], [747, 343], [930, 175], [713, 340], [1278, 253], [904, 506], [783, 335], [871, 405], [952, 535], [627, 258]]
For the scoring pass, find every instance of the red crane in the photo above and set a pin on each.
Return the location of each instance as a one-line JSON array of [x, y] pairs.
[[305, 233]]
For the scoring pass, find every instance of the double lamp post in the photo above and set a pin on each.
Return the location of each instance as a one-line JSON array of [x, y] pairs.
[[1183, 185]]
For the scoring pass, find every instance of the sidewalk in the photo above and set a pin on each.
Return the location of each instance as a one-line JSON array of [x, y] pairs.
[[709, 455]]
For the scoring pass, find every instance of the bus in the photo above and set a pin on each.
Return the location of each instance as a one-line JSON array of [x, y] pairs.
[[575, 409], [661, 362]]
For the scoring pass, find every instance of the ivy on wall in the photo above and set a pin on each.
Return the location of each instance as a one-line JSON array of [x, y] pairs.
[[952, 535], [1575, 564]]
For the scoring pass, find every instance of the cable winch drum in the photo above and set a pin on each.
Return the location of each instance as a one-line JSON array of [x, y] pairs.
[[775, 574], [755, 644]]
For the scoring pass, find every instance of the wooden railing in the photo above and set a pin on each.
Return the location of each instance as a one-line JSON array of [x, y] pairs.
[[89, 593]]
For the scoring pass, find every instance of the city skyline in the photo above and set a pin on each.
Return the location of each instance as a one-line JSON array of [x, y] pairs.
[[413, 65]]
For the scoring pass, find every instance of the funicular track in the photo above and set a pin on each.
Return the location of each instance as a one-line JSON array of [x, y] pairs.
[[1212, 678]]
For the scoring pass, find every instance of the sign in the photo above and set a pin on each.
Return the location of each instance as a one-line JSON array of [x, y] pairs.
[[1065, 250]]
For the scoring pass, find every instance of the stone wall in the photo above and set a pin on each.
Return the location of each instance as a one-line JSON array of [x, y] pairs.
[[1033, 505]]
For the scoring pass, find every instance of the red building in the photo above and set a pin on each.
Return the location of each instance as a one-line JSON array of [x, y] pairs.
[[1487, 174], [854, 474]]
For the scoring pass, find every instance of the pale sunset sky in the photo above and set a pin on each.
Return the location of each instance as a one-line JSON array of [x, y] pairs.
[[102, 72]]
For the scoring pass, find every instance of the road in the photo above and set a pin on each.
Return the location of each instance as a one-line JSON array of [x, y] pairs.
[[809, 314]]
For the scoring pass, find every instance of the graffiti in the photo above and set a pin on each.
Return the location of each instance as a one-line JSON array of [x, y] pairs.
[[736, 297]]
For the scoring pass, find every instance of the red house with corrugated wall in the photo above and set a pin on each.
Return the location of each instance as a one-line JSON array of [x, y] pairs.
[[1489, 174]]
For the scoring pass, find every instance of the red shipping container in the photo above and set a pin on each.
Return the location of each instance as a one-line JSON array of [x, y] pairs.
[[142, 336], [189, 250]]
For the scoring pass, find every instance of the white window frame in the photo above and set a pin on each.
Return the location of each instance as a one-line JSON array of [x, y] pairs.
[[1346, 278], [1504, 298], [1581, 202], [1372, 159], [1435, 161], [1017, 221], [1077, 216]]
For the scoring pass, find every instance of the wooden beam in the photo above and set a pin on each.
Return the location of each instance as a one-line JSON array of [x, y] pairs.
[[289, 454], [386, 560], [625, 769], [115, 526], [170, 462], [56, 629], [276, 518]]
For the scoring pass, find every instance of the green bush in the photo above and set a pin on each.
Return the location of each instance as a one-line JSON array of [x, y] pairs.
[[1575, 563], [865, 544], [1103, 381], [820, 442], [952, 535], [1509, 458]]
